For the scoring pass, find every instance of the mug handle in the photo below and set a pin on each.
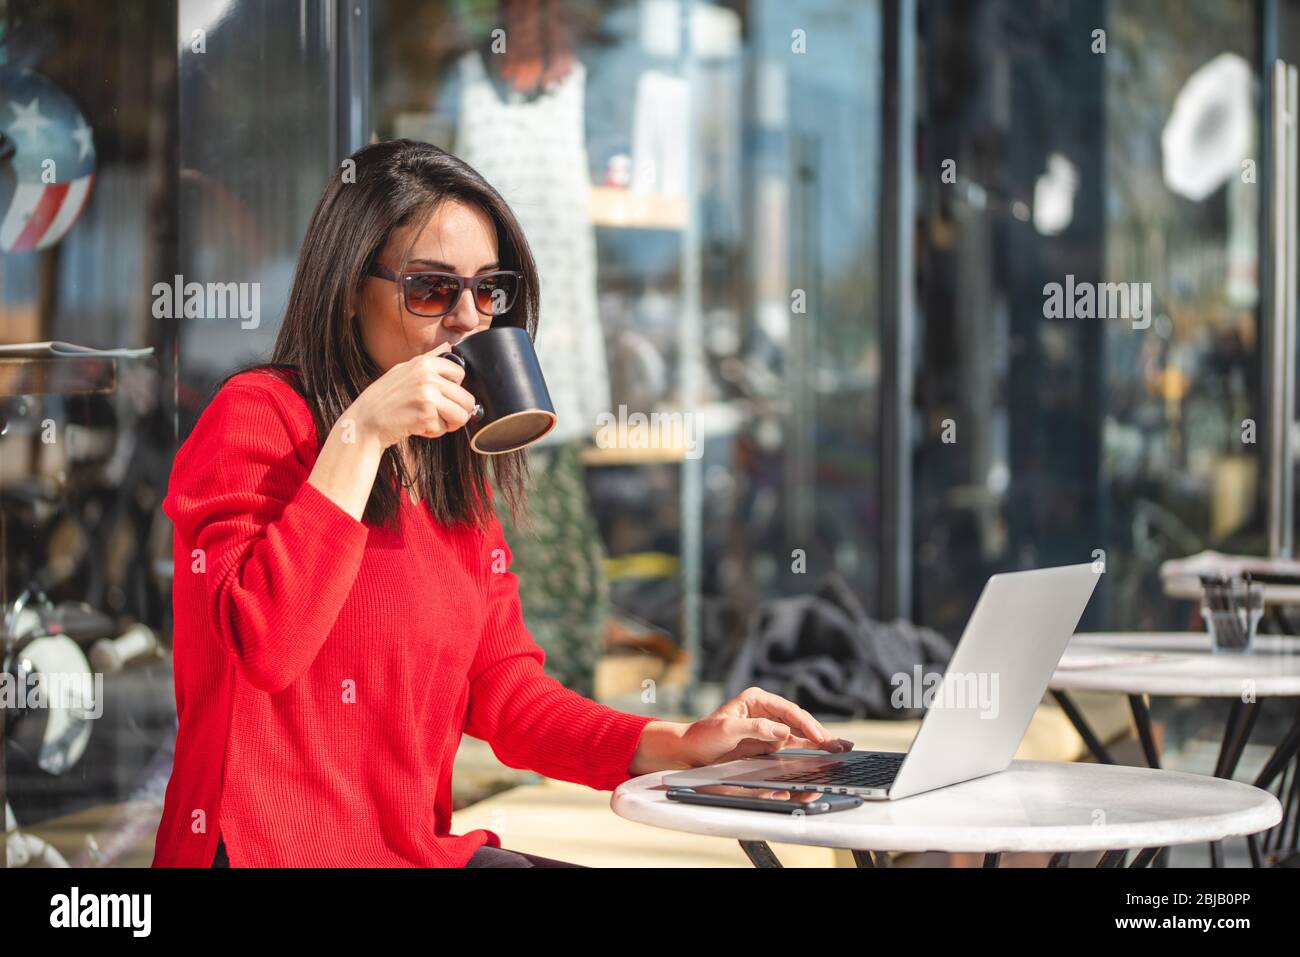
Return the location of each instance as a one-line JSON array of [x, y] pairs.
[[459, 359]]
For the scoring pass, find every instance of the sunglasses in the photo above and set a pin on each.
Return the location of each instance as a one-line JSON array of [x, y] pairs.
[[434, 294]]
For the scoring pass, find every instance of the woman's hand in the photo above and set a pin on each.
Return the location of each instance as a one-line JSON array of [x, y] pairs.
[[421, 396], [753, 722]]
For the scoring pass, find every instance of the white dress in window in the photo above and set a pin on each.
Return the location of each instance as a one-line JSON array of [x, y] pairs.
[[535, 153]]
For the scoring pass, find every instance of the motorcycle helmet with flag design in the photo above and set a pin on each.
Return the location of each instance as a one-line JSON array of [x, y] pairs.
[[47, 161]]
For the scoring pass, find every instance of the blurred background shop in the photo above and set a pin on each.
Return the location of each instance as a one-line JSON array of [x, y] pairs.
[[821, 230]]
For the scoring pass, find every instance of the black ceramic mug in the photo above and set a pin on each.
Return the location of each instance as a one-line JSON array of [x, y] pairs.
[[502, 373]]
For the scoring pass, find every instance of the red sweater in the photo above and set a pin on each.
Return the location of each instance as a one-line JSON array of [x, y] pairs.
[[326, 668]]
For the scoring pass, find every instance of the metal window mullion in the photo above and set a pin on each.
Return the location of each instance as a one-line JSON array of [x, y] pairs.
[[1282, 255]]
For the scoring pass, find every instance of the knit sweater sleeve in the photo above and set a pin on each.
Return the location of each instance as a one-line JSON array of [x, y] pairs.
[[530, 719], [277, 556]]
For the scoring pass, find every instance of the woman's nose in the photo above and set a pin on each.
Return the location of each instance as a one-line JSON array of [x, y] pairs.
[[464, 317]]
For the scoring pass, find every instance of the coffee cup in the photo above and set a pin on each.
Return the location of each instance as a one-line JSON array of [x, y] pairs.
[[514, 408]]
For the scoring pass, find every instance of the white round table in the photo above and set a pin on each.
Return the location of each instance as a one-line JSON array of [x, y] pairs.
[[1142, 664], [1179, 663], [1039, 806]]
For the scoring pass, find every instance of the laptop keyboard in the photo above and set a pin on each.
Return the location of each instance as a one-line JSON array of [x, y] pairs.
[[872, 770]]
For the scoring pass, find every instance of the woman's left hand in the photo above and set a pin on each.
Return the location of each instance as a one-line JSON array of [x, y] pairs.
[[753, 722]]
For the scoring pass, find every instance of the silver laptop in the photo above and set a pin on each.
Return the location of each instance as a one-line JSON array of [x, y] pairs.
[[977, 715]]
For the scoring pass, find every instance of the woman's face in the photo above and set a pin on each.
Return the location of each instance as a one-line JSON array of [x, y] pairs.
[[459, 238]]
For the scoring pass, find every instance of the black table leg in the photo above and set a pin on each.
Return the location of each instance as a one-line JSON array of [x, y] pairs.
[[1081, 725], [870, 858], [1241, 721], [1146, 856], [992, 860], [759, 854], [1280, 757], [1142, 721], [1256, 858], [1142, 718]]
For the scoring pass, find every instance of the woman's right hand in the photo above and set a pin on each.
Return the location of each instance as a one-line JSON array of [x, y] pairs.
[[421, 396]]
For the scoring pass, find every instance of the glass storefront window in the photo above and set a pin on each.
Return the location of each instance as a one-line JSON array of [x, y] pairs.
[[211, 133], [1048, 438], [86, 444], [1177, 475]]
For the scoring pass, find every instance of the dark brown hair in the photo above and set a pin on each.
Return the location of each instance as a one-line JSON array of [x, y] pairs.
[[393, 184]]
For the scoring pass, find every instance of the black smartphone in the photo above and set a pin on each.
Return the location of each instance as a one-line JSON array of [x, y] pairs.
[[764, 799]]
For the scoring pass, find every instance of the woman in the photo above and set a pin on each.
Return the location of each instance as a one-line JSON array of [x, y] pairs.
[[344, 605]]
